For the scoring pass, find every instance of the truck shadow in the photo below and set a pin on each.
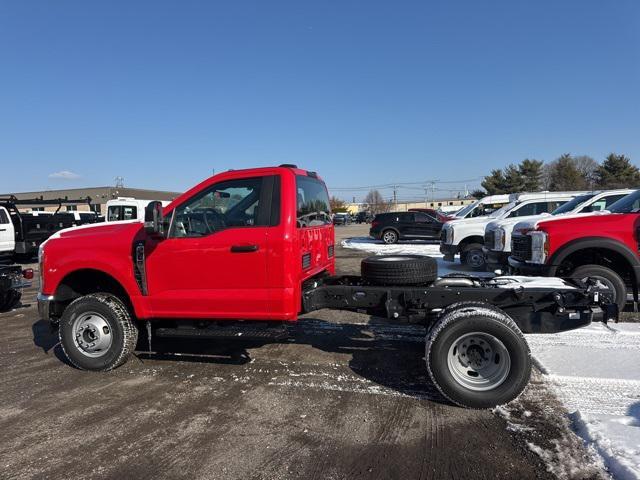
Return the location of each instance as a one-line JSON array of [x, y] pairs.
[[387, 356]]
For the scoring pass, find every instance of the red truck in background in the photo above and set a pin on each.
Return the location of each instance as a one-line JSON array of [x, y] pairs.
[[258, 245], [603, 246]]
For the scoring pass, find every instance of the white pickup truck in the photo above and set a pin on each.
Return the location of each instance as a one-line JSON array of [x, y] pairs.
[[127, 208], [466, 236], [497, 233], [483, 207], [7, 236]]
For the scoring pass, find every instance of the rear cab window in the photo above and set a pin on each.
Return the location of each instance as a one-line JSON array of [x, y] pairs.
[[312, 202]]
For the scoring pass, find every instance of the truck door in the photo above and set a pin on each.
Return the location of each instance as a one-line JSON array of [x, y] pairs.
[[7, 233], [214, 261]]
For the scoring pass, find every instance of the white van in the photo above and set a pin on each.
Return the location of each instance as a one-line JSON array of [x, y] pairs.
[[127, 208]]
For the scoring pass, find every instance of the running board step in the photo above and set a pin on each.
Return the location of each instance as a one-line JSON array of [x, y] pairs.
[[270, 333]]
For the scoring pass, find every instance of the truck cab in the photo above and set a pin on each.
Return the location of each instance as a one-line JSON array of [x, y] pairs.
[[483, 207], [7, 236], [237, 246], [497, 233], [127, 208], [601, 245], [466, 236]]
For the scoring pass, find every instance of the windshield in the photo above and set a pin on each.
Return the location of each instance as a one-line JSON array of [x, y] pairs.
[[463, 212], [628, 204], [501, 211], [572, 204]]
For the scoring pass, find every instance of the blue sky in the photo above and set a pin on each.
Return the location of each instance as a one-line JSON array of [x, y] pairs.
[[365, 93]]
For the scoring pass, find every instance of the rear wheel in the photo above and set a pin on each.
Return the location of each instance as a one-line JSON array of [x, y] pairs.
[[97, 333], [610, 280], [389, 237], [473, 256], [478, 357]]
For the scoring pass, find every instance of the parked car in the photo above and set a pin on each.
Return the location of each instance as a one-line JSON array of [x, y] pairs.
[[395, 226], [364, 217], [466, 236], [127, 208], [601, 245], [497, 233], [341, 218], [438, 215], [265, 241]]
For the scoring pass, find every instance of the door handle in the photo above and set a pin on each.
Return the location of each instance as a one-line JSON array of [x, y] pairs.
[[244, 248], [3, 229]]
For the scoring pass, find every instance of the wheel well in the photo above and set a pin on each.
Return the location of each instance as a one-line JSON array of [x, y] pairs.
[[83, 282], [392, 229], [469, 240], [598, 256]]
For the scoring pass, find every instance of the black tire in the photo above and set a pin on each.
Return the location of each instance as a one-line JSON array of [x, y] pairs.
[[472, 319], [608, 277], [120, 327], [473, 257], [389, 236], [10, 300], [399, 269]]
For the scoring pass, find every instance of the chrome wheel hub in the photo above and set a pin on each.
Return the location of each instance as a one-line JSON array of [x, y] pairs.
[[92, 334], [478, 361]]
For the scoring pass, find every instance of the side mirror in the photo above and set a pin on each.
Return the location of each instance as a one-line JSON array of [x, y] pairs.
[[153, 219]]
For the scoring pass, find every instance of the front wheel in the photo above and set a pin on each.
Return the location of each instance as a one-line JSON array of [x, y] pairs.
[[610, 280], [97, 332], [473, 257], [478, 357]]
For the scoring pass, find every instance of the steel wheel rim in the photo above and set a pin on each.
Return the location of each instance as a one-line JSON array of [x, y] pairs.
[[389, 237], [475, 258], [92, 334], [478, 361]]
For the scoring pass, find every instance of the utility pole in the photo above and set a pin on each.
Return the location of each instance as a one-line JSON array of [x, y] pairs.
[[119, 182], [395, 195]]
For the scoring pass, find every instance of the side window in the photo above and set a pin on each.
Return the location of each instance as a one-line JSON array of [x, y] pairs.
[[613, 199], [129, 212], [526, 209], [422, 218], [313, 208], [4, 218], [230, 204]]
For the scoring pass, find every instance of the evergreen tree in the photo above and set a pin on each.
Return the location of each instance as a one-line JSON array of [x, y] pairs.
[[494, 183], [617, 171], [564, 175], [531, 173]]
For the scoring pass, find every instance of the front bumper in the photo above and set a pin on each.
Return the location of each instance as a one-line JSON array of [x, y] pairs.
[[496, 259], [532, 269], [448, 250], [44, 306]]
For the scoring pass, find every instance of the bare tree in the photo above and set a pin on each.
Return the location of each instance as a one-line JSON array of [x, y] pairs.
[[587, 167], [376, 203]]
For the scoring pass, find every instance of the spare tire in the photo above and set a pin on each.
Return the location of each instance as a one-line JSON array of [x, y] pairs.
[[399, 269]]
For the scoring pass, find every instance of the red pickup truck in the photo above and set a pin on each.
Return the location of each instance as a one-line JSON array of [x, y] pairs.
[[258, 245], [603, 246]]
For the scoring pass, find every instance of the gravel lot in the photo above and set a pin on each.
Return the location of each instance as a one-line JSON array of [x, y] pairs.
[[344, 396]]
